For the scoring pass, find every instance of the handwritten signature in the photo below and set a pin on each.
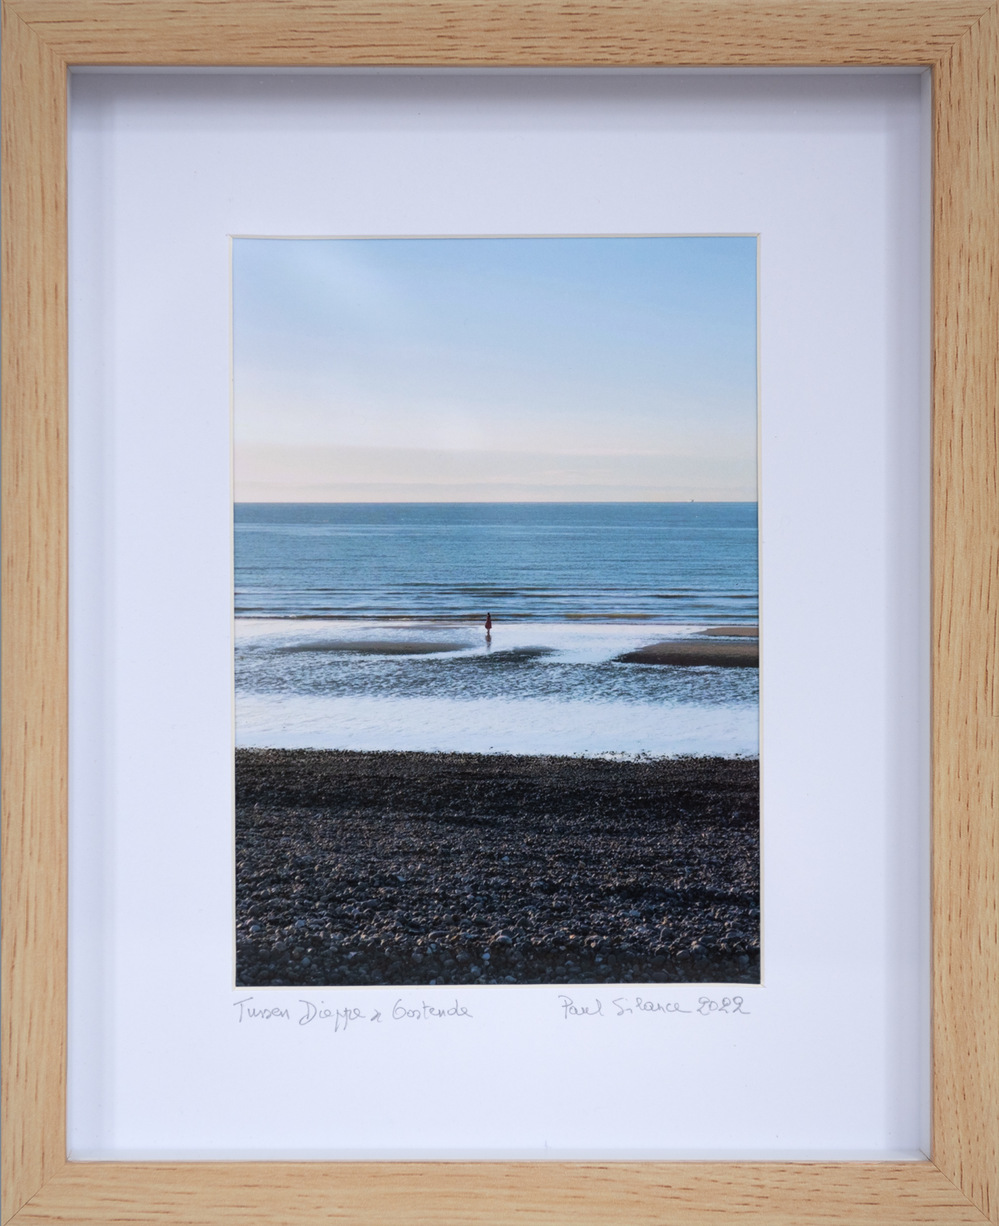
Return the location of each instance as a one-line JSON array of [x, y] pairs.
[[624, 1005]]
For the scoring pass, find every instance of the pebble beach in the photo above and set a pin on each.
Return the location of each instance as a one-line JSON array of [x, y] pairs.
[[384, 868]]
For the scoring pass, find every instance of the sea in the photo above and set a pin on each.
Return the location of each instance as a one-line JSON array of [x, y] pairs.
[[361, 626]]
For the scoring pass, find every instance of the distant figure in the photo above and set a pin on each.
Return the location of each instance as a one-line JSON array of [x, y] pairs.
[[489, 627]]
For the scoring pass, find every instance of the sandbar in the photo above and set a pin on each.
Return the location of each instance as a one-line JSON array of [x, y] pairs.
[[377, 647], [690, 653]]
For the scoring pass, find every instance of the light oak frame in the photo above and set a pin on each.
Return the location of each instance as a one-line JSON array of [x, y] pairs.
[[959, 40]]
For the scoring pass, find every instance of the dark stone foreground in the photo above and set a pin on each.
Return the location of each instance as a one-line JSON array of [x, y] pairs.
[[412, 868]]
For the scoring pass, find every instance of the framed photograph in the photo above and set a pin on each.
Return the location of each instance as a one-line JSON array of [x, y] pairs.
[[495, 614], [396, 357], [496, 597]]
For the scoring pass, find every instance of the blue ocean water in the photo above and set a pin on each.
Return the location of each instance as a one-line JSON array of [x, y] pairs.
[[360, 626], [670, 561]]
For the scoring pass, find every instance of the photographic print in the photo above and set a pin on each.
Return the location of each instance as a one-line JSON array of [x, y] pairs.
[[496, 610]]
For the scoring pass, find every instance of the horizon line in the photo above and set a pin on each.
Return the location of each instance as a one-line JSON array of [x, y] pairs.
[[489, 502]]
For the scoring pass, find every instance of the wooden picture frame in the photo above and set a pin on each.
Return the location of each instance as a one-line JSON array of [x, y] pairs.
[[959, 41]]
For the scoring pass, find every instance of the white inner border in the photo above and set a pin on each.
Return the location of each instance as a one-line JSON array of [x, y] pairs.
[[832, 170]]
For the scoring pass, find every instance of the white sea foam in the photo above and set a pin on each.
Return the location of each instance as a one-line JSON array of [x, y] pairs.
[[493, 726], [288, 697]]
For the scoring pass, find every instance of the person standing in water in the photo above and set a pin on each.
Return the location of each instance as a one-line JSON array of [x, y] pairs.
[[489, 627]]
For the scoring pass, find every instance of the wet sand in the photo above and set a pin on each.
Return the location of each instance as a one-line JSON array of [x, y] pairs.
[[414, 868], [693, 652], [376, 647]]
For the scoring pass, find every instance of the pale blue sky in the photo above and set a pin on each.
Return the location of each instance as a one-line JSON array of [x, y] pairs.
[[567, 369]]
